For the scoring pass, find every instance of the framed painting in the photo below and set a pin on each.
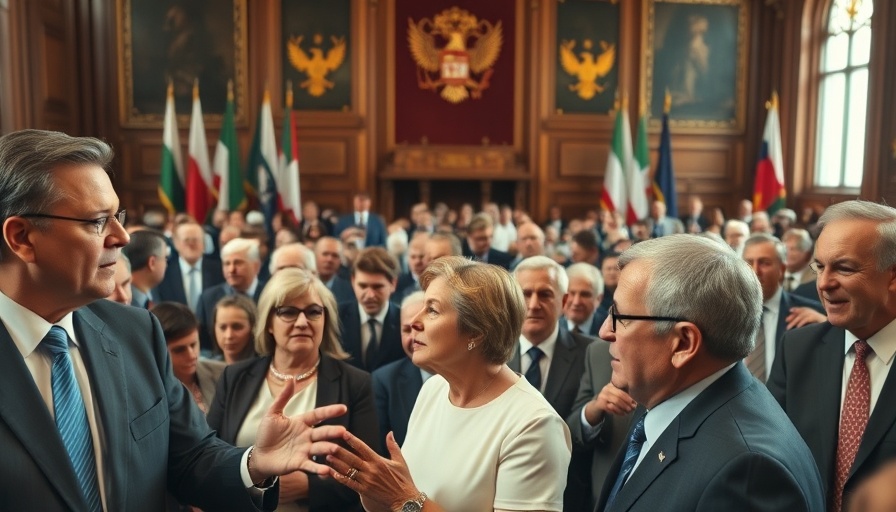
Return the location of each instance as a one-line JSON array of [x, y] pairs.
[[697, 51], [316, 47], [181, 41], [587, 49]]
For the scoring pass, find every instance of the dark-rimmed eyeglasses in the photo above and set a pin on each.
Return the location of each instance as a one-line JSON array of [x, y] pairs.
[[291, 313], [616, 317], [99, 223]]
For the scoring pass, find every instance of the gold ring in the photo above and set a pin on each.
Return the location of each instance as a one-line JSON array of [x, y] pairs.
[[351, 473]]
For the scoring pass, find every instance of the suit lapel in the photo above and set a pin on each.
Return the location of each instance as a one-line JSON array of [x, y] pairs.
[[514, 362], [391, 331], [351, 332], [109, 387], [827, 371], [409, 381], [23, 410], [328, 385], [560, 365], [783, 309], [879, 424]]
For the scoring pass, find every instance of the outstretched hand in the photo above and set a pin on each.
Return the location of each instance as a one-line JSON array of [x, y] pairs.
[[285, 444], [387, 483]]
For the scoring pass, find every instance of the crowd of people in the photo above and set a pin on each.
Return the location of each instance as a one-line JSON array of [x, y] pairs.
[[450, 361]]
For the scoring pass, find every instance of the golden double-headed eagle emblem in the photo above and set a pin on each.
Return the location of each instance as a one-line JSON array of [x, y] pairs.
[[316, 66], [587, 66], [459, 71]]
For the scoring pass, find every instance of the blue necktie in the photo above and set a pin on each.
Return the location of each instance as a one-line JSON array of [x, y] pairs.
[[635, 440], [533, 374], [71, 416]]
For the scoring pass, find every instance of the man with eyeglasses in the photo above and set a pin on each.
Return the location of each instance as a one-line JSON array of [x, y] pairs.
[[92, 417], [835, 379], [707, 435]]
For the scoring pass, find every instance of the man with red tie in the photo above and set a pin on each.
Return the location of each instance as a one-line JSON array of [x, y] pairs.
[[833, 379]]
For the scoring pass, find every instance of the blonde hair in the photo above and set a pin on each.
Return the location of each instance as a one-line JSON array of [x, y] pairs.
[[489, 303], [290, 284]]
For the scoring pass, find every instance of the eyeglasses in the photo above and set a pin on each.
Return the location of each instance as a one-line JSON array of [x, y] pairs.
[[99, 223], [291, 313], [615, 316]]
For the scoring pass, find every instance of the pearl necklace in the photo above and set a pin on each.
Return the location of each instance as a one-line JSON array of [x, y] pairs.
[[297, 378]]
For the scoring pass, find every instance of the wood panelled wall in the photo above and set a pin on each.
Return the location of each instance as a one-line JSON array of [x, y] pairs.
[[59, 63]]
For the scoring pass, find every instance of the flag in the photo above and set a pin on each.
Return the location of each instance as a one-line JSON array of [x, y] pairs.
[[288, 187], [228, 174], [639, 177], [664, 177], [613, 197], [262, 167], [199, 172], [768, 191], [171, 177]]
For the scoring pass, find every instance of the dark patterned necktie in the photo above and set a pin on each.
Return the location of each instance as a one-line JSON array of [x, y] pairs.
[[533, 374], [635, 441], [853, 419]]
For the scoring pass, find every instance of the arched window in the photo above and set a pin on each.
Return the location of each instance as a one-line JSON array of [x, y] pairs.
[[843, 94]]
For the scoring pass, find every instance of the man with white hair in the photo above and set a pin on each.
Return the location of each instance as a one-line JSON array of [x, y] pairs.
[[241, 262], [529, 242], [293, 255], [799, 278], [192, 271], [735, 234], [582, 312], [551, 359]]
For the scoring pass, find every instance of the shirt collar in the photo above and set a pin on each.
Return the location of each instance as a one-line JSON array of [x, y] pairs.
[[658, 419], [26, 328], [883, 342], [546, 346], [773, 305], [585, 326], [186, 267], [380, 317]]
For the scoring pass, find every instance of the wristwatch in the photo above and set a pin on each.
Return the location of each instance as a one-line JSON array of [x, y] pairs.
[[415, 505]]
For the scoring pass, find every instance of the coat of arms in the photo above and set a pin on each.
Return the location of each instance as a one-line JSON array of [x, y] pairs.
[[587, 67], [317, 65], [439, 47]]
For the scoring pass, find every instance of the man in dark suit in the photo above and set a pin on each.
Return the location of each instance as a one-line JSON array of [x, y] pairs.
[[799, 278], [328, 255], [661, 224], [409, 282], [551, 359], [708, 435], [370, 323], [694, 221], [192, 271], [397, 384], [842, 403], [600, 418], [148, 254], [241, 263], [132, 430], [582, 312], [780, 310], [363, 218], [478, 244]]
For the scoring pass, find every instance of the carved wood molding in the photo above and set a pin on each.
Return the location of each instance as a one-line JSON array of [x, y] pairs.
[[455, 162]]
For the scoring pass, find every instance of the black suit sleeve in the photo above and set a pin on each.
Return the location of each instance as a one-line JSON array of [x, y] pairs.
[[326, 493], [755, 482], [381, 397]]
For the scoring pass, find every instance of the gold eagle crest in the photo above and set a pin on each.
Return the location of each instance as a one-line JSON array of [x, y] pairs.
[[453, 67], [589, 68], [316, 66]]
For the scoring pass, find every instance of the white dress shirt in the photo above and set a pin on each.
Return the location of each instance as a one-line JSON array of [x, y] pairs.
[[546, 346]]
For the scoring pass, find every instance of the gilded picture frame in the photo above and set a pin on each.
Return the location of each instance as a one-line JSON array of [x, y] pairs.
[[181, 40], [697, 51]]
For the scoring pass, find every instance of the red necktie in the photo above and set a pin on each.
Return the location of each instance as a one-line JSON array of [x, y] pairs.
[[853, 419]]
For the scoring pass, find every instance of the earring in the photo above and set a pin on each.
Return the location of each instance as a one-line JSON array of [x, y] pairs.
[[471, 346]]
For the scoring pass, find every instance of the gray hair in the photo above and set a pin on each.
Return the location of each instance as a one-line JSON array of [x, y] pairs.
[[308, 259], [127, 261], [736, 223], [589, 273], [411, 298], [884, 215], [247, 245], [802, 236], [765, 238], [27, 161], [694, 278], [557, 273]]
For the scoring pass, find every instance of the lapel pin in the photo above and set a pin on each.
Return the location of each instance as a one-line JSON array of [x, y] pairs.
[[661, 456]]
